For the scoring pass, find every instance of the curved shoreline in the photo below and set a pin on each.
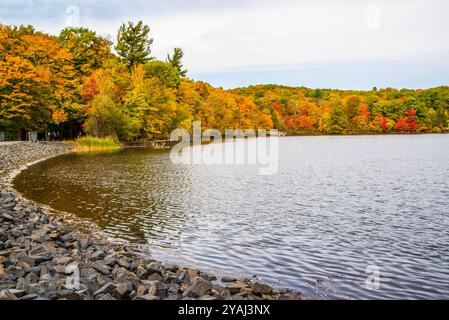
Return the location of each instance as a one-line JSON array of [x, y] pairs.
[[45, 257]]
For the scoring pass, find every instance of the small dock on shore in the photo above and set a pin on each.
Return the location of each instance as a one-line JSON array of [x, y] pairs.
[[153, 144]]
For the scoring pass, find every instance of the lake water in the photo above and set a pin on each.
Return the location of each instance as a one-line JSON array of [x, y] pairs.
[[339, 210]]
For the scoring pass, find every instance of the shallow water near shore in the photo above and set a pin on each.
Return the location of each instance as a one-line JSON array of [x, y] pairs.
[[337, 207]]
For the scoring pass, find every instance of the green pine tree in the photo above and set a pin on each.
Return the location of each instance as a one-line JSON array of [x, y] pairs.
[[176, 61], [133, 43]]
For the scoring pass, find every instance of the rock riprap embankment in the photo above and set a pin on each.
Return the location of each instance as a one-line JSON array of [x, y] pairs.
[[15, 155], [43, 259]]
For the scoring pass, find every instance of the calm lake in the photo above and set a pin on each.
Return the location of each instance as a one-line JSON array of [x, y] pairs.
[[339, 209]]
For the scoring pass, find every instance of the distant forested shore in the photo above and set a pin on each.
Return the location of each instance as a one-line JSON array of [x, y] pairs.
[[80, 83]]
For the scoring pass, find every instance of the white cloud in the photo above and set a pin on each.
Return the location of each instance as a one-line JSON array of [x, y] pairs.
[[272, 33], [295, 32]]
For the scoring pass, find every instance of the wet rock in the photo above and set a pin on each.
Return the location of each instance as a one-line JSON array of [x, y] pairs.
[[14, 271], [184, 278], [87, 272], [106, 296], [239, 296], [6, 294], [70, 295], [18, 293], [147, 297], [107, 288], [97, 255], [122, 290], [32, 296], [141, 290], [212, 278], [53, 236], [236, 287], [260, 289], [142, 273], [158, 289], [199, 288], [208, 297], [193, 273], [289, 296], [67, 237], [103, 279], [37, 288], [246, 289], [42, 250], [110, 262], [93, 286], [63, 260], [52, 295], [253, 297], [84, 244], [171, 268], [122, 276], [7, 217], [122, 262], [173, 288], [61, 270], [39, 235], [101, 268], [155, 277], [32, 260], [228, 279], [31, 278]]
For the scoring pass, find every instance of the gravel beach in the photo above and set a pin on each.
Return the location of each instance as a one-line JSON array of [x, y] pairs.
[[47, 258]]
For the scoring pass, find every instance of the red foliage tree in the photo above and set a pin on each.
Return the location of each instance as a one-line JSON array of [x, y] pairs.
[[411, 120], [401, 125]]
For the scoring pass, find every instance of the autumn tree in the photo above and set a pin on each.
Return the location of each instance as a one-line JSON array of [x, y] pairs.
[[362, 122], [23, 91], [38, 81], [401, 125], [104, 91], [382, 123], [411, 120], [150, 103], [338, 121], [89, 50], [163, 72], [106, 119], [352, 105]]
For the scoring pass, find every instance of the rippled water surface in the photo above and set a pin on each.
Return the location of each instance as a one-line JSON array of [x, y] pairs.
[[337, 207]]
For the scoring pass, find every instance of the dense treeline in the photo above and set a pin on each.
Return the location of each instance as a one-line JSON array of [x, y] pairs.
[[318, 111], [78, 82]]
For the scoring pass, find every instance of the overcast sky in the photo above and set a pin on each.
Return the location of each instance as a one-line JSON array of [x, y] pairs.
[[321, 43]]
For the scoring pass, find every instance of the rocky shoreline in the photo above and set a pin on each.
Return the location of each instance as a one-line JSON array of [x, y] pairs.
[[42, 258]]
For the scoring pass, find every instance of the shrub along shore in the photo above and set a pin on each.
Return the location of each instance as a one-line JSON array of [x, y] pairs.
[[89, 144], [45, 257]]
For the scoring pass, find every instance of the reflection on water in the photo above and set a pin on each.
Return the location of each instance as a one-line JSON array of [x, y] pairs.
[[336, 206]]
